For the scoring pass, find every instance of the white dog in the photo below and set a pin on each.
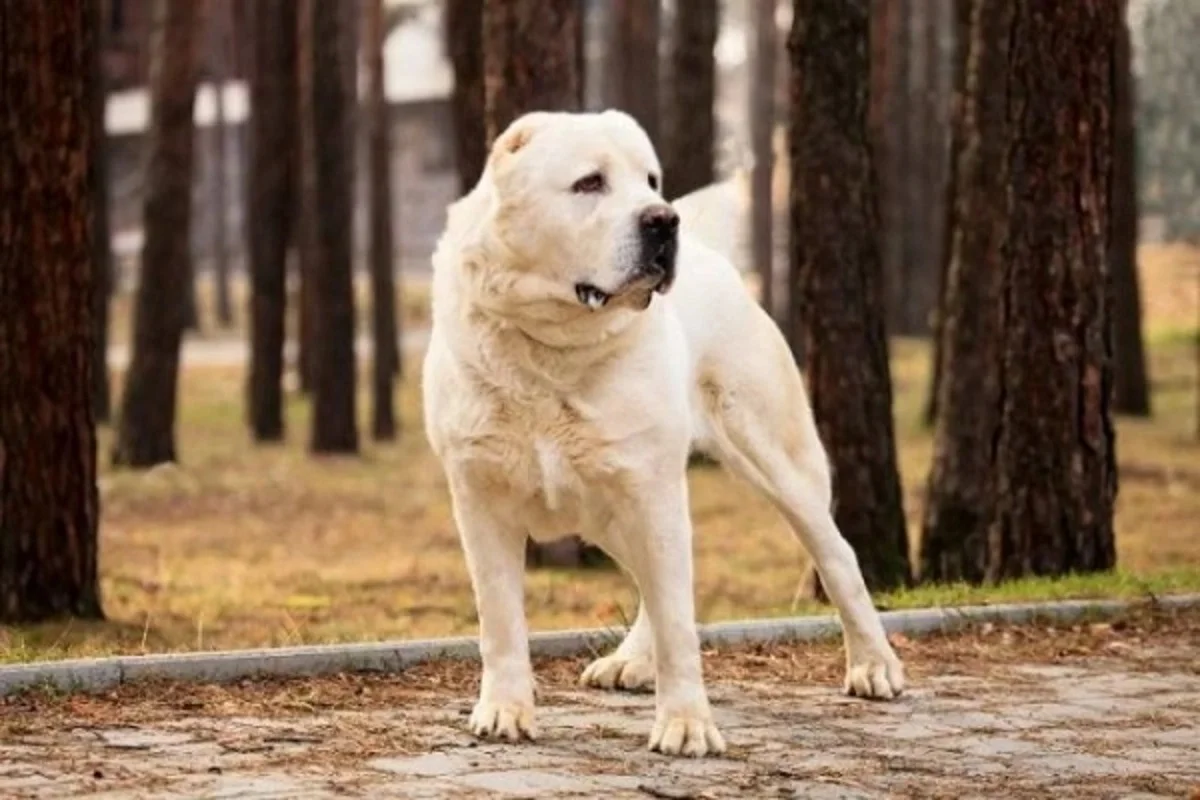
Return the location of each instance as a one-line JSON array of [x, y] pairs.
[[563, 388]]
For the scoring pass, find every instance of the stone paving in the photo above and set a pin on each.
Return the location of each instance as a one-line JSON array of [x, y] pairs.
[[1096, 727]]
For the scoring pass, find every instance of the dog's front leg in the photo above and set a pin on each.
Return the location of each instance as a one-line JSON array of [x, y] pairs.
[[495, 551], [659, 543]]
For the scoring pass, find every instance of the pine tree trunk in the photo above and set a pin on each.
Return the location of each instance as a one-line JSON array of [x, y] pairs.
[[837, 281], [49, 504], [334, 423], [220, 21], [1131, 394], [1055, 459], [270, 210], [692, 115], [1024, 476], [464, 42], [386, 360], [892, 141], [529, 64], [763, 37], [306, 237], [146, 431], [962, 485], [961, 24], [631, 62], [98, 189]]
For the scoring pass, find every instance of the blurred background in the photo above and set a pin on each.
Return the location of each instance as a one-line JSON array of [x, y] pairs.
[[277, 172]]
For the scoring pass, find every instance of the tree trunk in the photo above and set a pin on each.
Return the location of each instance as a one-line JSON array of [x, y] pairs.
[[962, 485], [692, 116], [334, 424], [271, 208], [220, 20], [1024, 475], [98, 189], [49, 504], [306, 237], [1131, 393], [837, 280], [529, 64], [464, 41], [1054, 449], [763, 43], [961, 26], [386, 360], [892, 142], [146, 431], [631, 62]]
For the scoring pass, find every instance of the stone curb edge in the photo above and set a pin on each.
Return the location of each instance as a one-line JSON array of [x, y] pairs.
[[100, 674]]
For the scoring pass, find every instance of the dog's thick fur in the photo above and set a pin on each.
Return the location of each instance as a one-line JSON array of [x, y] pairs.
[[552, 415]]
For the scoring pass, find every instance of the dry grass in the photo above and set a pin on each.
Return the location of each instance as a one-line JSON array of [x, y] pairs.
[[245, 546]]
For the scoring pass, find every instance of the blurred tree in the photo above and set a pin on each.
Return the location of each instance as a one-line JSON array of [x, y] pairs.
[[98, 189], [270, 212], [464, 42], [49, 505], [334, 423], [763, 36], [1131, 391], [691, 113], [837, 281], [1024, 469], [962, 483], [1169, 116], [306, 237], [890, 132], [386, 360], [146, 429], [220, 22], [960, 36], [529, 64], [631, 62]]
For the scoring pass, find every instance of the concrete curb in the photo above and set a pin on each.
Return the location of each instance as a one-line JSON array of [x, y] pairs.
[[105, 673]]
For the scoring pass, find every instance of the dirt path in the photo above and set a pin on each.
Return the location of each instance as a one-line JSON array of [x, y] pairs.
[[1109, 710]]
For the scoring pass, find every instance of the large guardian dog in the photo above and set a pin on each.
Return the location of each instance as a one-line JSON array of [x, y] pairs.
[[583, 341]]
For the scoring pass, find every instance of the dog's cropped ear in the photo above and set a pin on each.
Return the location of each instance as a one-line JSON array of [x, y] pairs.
[[518, 134]]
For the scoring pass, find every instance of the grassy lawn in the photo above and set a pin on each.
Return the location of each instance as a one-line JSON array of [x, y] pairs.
[[247, 546]]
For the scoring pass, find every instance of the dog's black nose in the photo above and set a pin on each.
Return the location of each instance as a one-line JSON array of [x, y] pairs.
[[658, 221]]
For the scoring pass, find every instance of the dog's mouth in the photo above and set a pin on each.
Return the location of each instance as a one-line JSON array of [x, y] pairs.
[[657, 277]]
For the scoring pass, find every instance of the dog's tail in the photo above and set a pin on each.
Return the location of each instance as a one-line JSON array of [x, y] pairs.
[[717, 215]]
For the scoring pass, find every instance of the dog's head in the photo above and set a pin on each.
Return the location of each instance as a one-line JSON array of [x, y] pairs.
[[578, 201]]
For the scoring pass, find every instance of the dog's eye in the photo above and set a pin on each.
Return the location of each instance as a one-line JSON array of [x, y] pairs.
[[589, 184], [653, 180]]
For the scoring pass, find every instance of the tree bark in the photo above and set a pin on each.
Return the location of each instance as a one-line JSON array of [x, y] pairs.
[[961, 25], [529, 65], [386, 360], [49, 504], [1024, 475], [631, 62], [271, 208], [891, 141], [220, 33], [691, 115], [464, 41], [1131, 393], [146, 432], [334, 423], [763, 43], [306, 237], [962, 485], [1054, 450], [98, 188], [838, 283]]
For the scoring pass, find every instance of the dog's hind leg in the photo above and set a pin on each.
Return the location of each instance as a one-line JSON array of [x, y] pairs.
[[765, 433], [631, 665]]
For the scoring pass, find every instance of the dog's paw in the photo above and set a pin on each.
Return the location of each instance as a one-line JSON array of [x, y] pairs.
[[876, 675], [509, 721], [634, 674], [686, 733]]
